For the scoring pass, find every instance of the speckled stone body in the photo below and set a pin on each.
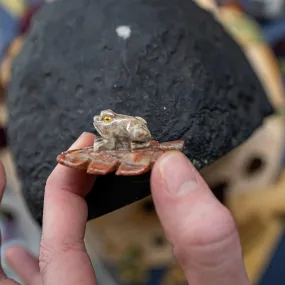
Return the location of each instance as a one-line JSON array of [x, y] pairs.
[[120, 131], [178, 69]]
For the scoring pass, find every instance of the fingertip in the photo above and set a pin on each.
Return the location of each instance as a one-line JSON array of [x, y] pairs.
[[167, 158], [177, 185], [175, 174], [169, 162], [74, 180], [12, 253], [170, 156], [85, 139], [23, 263]]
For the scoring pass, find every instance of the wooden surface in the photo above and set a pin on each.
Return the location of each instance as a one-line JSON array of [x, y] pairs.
[[259, 214], [136, 225], [239, 169]]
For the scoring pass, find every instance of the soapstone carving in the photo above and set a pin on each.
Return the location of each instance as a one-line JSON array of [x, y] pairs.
[[124, 145]]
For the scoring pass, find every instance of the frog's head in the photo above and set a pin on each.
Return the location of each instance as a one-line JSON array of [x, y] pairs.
[[104, 121]]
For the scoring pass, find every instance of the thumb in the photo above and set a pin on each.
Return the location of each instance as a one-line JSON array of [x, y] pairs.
[[202, 231]]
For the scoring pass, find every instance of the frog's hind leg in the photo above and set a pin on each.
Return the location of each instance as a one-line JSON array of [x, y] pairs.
[[140, 145]]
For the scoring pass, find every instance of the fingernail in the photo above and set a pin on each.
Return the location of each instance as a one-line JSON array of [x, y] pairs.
[[178, 173], [83, 134]]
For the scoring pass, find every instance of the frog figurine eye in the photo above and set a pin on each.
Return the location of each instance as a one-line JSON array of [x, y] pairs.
[[107, 119]]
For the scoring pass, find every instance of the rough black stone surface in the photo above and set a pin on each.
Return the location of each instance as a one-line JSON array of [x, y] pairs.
[[179, 70]]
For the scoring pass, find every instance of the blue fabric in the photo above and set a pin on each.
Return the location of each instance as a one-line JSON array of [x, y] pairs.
[[275, 273], [251, 7], [8, 30], [274, 31], [9, 25]]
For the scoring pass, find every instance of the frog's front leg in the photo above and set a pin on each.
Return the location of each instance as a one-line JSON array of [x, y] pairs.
[[98, 143], [101, 144]]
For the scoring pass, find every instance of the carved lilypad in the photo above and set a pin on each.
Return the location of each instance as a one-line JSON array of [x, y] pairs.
[[124, 162]]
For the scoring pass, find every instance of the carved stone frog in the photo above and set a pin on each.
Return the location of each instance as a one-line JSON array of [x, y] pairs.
[[124, 146], [120, 132]]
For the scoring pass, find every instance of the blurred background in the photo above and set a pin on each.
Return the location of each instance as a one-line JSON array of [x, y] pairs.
[[255, 180]]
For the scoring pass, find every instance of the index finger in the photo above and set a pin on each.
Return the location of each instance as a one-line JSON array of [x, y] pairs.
[[64, 221]]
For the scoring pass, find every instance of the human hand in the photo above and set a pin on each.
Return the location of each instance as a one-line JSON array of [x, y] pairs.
[[202, 231], [63, 258]]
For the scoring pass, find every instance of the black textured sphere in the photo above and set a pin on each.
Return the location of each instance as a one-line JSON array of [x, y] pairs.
[[177, 68]]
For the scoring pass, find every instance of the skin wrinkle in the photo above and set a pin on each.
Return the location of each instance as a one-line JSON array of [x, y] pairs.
[[224, 227], [184, 246], [66, 246], [52, 183], [225, 270], [180, 206], [182, 251], [45, 258], [70, 273], [49, 253]]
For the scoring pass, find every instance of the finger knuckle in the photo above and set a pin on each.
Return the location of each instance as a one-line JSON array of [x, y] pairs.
[[55, 185], [50, 251], [212, 226], [204, 240], [53, 182]]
